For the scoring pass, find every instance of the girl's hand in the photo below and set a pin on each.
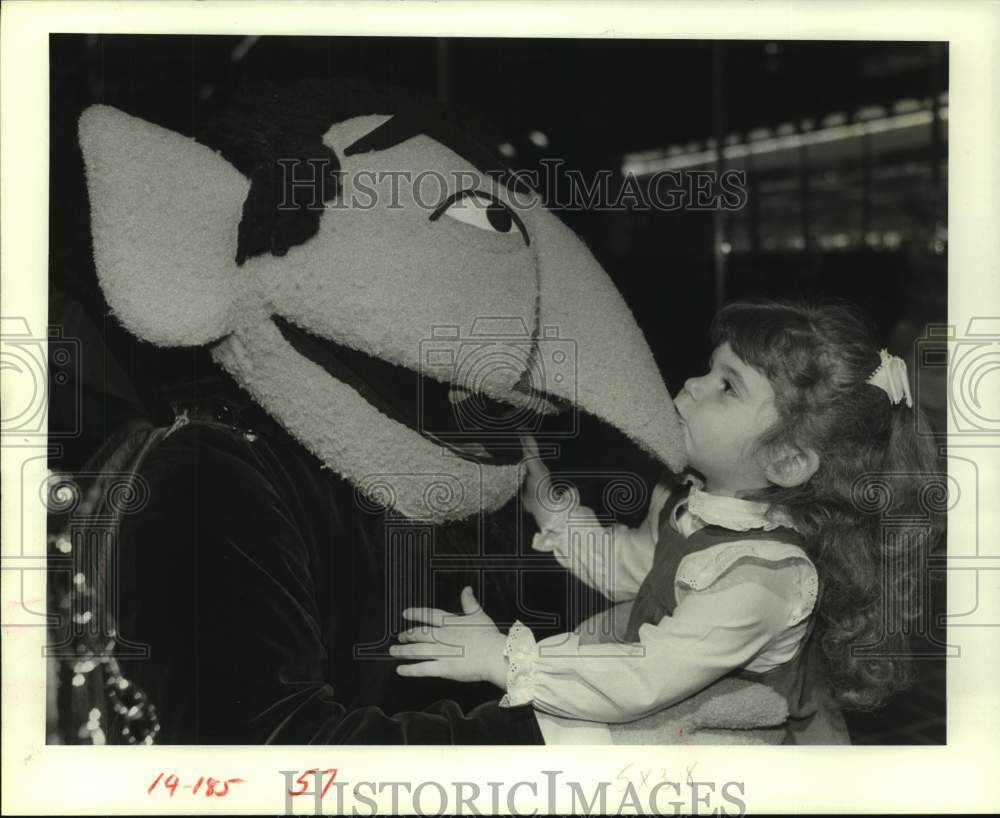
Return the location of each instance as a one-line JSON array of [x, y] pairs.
[[536, 494], [465, 647], [537, 473]]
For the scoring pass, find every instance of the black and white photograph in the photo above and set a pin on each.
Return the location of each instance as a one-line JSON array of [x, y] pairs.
[[508, 391]]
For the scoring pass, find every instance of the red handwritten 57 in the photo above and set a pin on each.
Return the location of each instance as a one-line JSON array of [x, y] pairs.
[[309, 777]]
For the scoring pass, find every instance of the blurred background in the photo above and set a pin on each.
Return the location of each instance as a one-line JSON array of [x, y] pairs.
[[844, 146]]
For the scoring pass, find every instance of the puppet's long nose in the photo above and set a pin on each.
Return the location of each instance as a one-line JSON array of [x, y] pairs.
[[592, 353]]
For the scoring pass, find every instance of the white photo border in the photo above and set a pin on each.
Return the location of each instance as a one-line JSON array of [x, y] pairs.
[[960, 776]]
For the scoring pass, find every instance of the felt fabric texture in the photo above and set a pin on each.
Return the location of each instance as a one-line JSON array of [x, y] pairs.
[[731, 711], [164, 214], [388, 463], [377, 278], [616, 376]]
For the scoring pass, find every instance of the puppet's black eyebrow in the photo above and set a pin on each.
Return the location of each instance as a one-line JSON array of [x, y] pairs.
[[402, 126]]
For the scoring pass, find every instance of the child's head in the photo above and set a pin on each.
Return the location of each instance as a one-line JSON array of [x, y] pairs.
[[725, 414], [785, 396], [812, 411], [818, 435]]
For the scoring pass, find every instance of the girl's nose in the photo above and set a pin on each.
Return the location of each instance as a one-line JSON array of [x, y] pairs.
[[691, 387]]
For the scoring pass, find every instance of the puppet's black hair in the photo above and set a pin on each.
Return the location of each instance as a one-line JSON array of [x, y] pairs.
[[273, 134]]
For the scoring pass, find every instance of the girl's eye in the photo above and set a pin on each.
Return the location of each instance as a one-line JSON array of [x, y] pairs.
[[728, 387], [481, 210]]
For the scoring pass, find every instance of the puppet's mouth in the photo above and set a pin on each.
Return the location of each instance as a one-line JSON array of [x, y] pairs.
[[470, 424]]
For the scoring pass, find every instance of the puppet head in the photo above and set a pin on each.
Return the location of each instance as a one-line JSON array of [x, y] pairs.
[[354, 264]]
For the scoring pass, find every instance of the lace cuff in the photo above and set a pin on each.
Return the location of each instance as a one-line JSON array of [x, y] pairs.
[[519, 650]]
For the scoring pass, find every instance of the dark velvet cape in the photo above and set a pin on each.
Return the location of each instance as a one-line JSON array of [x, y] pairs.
[[268, 594]]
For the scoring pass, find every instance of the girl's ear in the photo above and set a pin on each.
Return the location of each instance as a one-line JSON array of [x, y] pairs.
[[789, 466], [164, 213]]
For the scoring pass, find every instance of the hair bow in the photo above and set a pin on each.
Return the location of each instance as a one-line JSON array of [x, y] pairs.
[[891, 378]]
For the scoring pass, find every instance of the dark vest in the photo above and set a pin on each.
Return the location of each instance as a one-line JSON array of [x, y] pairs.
[[656, 598]]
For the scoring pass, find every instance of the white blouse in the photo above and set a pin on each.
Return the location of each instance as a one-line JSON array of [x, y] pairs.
[[749, 615]]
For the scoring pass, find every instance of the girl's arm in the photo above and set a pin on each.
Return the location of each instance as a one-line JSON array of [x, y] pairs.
[[711, 633], [613, 559]]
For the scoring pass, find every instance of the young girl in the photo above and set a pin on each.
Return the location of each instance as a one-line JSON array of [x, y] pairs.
[[768, 546]]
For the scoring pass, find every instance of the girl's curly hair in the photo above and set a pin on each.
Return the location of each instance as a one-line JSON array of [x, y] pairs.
[[876, 502]]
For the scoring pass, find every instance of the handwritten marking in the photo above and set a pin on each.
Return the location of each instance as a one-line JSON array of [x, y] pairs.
[[216, 787]]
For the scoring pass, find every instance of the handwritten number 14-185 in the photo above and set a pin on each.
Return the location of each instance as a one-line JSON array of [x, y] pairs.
[[208, 786]]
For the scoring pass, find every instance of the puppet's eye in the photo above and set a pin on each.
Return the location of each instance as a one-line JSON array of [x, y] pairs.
[[481, 210]]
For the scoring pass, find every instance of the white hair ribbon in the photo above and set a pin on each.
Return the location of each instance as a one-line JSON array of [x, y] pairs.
[[891, 378]]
